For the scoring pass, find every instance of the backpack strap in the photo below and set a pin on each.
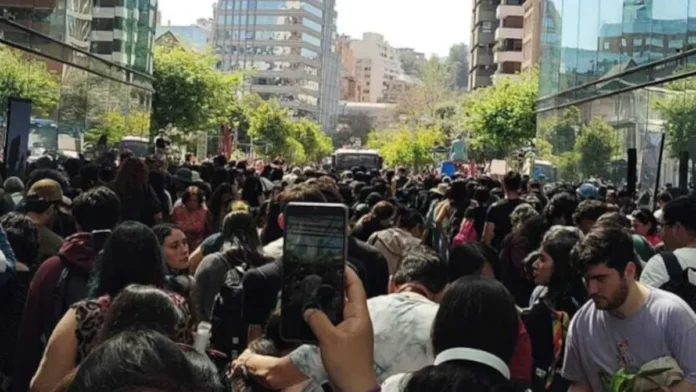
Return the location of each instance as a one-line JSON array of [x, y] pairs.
[[674, 268]]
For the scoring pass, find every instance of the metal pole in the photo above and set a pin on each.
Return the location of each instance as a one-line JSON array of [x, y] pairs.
[[659, 171]]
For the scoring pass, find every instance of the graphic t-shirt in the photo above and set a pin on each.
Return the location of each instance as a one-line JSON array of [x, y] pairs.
[[599, 344], [401, 323]]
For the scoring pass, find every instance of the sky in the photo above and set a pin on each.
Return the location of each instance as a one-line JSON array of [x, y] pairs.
[[429, 26]]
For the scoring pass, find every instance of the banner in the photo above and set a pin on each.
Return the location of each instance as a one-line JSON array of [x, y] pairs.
[[16, 149]]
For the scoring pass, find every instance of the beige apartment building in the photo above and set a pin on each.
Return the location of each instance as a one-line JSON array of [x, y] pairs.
[[531, 36], [496, 40], [378, 71]]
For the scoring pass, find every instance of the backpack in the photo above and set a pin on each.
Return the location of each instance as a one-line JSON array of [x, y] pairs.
[[229, 331], [679, 279], [467, 234], [70, 288]]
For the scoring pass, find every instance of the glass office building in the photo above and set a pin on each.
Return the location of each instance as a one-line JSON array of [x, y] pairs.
[[625, 66], [86, 65], [290, 47]]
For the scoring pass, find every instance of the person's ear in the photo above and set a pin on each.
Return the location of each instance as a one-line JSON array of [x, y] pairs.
[[631, 271], [281, 221]]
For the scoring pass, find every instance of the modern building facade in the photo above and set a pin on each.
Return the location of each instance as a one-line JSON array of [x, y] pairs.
[[378, 70], [87, 63], [629, 64], [496, 40], [290, 47], [350, 90]]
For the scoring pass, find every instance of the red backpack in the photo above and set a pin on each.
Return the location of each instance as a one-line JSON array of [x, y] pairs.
[[467, 233]]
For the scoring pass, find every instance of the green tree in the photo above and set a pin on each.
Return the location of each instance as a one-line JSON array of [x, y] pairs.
[[24, 77], [190, 94], [269, 125], [115, 126], [677, 108], [356, 125], [314, 142], [502, 117], [420, 104], [595, 147], [406, 147], [560, 130], [459, 60]]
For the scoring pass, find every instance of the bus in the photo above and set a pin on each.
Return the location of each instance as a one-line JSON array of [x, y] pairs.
[[139, 146], [345, 159]]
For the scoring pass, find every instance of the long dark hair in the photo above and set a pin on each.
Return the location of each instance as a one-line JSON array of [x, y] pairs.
[[476, 313], [136, 360], [557, 243], [131, 255], [131, 179], [138, 308], [215, 204], [271, 230], [242, 243]]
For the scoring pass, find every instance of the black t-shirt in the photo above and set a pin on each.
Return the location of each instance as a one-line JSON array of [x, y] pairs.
[[262, 285], [499, 214]]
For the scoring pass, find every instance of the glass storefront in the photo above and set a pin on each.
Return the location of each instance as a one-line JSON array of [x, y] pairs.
[[617, 73], [75, 95]]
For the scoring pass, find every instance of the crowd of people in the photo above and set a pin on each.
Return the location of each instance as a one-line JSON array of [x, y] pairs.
[[134, 277]]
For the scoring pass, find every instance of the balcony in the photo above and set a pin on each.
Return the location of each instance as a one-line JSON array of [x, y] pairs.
[[502, 33], [507, 56], [484, 15], [481, 56], [482, 37], [503, 11]]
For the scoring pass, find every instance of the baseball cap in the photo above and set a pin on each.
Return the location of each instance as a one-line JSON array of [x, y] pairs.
[[587, 191], [48, 190]]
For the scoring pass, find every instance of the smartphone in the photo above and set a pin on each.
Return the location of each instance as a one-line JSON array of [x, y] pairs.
[[99, 238], [315, 249]]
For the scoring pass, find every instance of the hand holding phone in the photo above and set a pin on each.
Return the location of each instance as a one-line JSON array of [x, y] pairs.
[[314, 260], [347, 349]]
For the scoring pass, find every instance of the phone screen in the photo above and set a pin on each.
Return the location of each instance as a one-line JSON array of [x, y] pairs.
[[314, 259]]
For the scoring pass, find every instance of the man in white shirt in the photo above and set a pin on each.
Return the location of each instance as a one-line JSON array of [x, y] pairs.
[[679, 236], [401, 321]]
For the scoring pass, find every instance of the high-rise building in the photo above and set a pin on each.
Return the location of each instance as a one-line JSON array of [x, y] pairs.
[[531, 36], [349, 84], [91, 60], [496, 40], [378, 70], [290, 45], [123, 32]]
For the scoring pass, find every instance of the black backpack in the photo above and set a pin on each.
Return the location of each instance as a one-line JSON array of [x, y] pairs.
[[679, 279], [70, 288], [229, 331]]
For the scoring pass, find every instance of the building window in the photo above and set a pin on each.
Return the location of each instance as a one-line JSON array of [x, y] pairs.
[[516, 22]]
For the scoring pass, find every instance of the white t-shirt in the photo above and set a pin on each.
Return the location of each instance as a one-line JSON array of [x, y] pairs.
[[401, 324], [655, 272]]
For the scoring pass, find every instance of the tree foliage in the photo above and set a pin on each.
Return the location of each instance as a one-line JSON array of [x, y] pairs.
[[419, 105], [301, 141], [115, 126], [25, 77], [459, 61], [190, 94], [502, 117], [595, 147], [356, 125], [406, 147]]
